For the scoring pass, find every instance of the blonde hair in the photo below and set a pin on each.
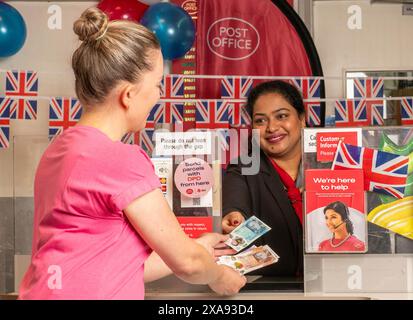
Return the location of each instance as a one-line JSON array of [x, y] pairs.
[[111, 51]]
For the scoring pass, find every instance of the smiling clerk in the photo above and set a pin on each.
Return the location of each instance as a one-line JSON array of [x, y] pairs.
[[274, 193]]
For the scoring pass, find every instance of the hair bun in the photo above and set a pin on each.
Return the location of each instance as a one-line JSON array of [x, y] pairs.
[[91, 25]]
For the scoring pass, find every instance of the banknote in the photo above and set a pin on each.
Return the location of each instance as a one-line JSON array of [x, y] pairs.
[[250, 260], [247, 232]]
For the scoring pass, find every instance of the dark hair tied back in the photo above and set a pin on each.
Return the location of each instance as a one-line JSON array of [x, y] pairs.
[[288, 91]]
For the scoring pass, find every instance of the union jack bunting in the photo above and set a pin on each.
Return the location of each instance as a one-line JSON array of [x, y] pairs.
[[63, 113], [377, 112], [371, 88], [171, 112], [146, 140], [131, 138], [368, 88], [22, 85], [310, 89], [237, 114], [351, 113], [143, 138], [172, 86], [4, 122], [384, 172], [211, 114], [408, 136], [407, 111], [236, 88], [156, 115]]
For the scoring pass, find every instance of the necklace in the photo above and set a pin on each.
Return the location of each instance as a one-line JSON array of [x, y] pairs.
[[340, 243]]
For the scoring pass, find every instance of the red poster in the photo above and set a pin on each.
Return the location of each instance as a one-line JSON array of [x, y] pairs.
[[327, 143], [195, 226], [335, 219]]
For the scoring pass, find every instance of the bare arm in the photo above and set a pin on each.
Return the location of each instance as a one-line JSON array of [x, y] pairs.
[[152, 218], [156, 269]]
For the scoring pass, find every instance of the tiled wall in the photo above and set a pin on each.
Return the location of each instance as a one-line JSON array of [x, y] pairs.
[[6, 245], [15, 236]]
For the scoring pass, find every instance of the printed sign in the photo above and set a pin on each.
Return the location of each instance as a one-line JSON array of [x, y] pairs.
[[183, 143], [163, 169], [335, 211], [194, 177], [310, 137], [327, 143], [195, 226]]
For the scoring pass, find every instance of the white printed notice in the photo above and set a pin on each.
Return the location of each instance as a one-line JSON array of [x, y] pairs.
[[311, 145], [204, 201], [194, 179], [163, 169], [183, 143]]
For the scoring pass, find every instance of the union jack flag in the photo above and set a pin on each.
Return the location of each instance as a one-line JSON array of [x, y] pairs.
[[351, 113], [131, 138], [371, 88], [377, 112], [4, 122], [368, 87], [237, 88], [407, 111], [384, 172], [170, 112], [63, 113], [23, 85], [408, 136], [144, 137], [172, 86], [237, 114], [211, 114], [310, 89], [156, 115], [146, 140]]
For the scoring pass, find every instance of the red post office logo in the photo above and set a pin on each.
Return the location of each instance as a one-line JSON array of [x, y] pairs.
[[190, 7], [233, 38]]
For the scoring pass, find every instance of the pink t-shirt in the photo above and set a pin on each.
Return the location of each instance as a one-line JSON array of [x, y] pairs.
[[351, 244], [83, 245]]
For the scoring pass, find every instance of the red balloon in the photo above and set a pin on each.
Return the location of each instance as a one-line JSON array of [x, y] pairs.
[[123, 9]]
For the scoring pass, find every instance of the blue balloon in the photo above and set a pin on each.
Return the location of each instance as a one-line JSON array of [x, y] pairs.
[[173, 27], [12, 30]]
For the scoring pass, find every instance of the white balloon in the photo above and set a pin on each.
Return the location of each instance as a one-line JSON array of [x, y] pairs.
[[149, 2]]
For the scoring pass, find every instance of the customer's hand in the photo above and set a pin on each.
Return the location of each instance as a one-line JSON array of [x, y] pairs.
[[231, 221], [214, 243], [229, 282]]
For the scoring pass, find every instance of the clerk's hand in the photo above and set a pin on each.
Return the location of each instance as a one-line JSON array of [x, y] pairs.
[[214, 243], [231, 221]]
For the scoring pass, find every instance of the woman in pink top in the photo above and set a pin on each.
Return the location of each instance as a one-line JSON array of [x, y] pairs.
[[102, 226], [338, 222]]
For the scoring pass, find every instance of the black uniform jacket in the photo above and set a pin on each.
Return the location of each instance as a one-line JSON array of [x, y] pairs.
[[264, 196]]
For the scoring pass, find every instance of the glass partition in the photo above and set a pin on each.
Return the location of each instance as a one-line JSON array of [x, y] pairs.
[[370, 171]]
